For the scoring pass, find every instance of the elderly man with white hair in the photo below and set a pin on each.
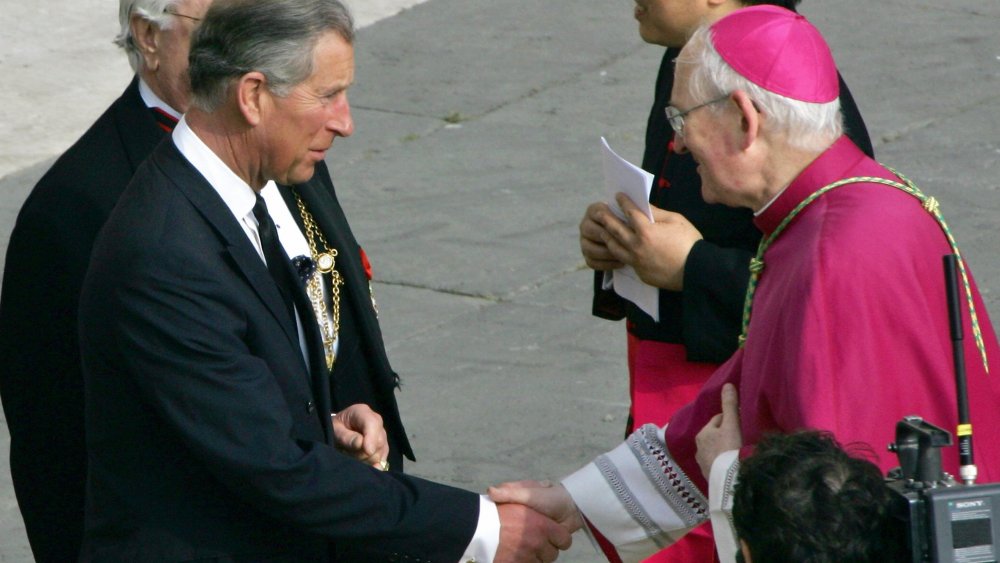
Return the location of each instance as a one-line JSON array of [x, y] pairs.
[[845, 324], [40, 378]]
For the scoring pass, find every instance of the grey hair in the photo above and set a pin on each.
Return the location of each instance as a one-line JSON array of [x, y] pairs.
[[273, 37], [153, 11], [808, 126]]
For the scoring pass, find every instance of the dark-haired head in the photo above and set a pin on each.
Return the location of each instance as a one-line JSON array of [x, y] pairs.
[[275, 37], [801, 497]]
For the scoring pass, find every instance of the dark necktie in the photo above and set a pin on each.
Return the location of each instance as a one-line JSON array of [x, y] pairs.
[[274, 254]]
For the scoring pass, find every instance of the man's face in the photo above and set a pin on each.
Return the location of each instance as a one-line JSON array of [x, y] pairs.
[[169, 78], [299, 128], [709, 139], [669, 22]]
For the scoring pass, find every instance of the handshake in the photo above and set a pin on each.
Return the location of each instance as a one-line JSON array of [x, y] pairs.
[[537, 520]]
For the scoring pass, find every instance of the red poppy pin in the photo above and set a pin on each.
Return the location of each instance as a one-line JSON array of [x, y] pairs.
[[367, 265]]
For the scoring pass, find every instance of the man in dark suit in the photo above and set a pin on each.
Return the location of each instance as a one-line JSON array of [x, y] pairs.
[[40, 380], [206, 363]]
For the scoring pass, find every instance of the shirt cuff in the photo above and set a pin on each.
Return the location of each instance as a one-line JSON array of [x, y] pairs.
[[486, 540], [721, 481]]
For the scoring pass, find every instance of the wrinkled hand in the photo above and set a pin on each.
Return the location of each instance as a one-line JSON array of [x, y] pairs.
[[592, 235], [358, 432], [552, 500], [526, 535], [722, 433], [658, 250]]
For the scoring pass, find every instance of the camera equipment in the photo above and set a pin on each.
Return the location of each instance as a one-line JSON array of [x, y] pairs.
[[946, 522]]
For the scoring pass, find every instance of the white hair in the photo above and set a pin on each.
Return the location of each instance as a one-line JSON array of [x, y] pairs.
[[806, 125], [153, 11]]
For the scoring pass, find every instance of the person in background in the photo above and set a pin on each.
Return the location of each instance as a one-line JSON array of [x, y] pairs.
[[41, 383]]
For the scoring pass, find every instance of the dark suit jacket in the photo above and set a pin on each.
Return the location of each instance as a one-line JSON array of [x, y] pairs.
[[40, 380], [706, 316], [206, 433]]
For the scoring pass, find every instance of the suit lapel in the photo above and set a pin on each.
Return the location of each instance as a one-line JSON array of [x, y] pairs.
[[208, 203]]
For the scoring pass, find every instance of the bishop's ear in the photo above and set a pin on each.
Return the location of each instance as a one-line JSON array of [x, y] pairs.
[[750, 120]]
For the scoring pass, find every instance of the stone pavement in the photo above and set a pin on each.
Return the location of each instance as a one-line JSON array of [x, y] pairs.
[[475, 154]]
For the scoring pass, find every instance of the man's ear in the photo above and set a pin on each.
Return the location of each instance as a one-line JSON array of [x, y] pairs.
[[750, 120], [252, 96], [146, 36]]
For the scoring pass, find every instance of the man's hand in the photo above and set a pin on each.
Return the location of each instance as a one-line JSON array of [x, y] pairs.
[[592, 236], [358, 432], [549, 499], [526, 535], [657, 251], [722, 433]]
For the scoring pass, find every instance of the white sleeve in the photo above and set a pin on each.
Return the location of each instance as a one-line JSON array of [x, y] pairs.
[[720, 498], [637, 497], [486, 540]]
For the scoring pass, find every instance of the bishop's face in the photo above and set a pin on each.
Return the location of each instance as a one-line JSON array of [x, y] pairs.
[[669, 22], [711, 135]]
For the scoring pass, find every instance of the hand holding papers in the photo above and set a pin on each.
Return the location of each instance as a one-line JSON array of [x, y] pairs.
[[621, 176]]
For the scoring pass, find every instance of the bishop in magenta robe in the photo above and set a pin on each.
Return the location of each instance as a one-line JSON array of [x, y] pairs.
[[848, 330]]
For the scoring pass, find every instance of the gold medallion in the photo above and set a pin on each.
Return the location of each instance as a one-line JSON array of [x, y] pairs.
[[325, 262]]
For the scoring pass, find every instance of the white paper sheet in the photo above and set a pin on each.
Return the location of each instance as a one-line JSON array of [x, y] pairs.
[[622, 176]]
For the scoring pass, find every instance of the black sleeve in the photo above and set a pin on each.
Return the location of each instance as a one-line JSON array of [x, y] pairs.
[[854, 125], [715, 281], [607, 304]]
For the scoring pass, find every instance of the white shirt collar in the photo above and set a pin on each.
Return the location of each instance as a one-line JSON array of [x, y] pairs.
[[289, 234], [768, 204], [153, 101], [237, 194]]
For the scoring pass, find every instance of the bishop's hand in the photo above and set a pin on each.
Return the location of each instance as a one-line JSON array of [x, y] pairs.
[[722, 433], [550, 499]]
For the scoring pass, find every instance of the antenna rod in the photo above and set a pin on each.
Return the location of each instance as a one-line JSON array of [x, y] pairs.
[[968, 470]]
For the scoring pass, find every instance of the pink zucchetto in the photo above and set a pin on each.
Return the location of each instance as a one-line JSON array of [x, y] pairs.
[[778, 50]]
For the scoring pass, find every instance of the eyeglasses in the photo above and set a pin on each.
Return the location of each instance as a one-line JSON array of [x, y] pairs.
[[192, 18], [676, 116]]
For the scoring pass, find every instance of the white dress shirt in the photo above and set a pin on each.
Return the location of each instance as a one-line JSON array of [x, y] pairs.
[[153, 101]]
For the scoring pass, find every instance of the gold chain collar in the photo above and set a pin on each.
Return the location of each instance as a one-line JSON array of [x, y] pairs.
[[326, 263]]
